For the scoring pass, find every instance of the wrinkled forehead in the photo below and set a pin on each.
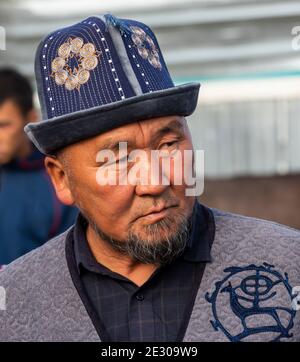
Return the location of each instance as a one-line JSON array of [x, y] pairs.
[[143, 132]]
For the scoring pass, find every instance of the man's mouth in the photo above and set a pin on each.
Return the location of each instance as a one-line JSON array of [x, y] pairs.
[[157, 213]]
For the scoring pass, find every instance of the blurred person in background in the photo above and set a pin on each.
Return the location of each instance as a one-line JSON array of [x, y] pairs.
[[30, 212]]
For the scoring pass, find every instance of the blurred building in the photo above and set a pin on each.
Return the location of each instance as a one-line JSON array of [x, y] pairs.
[[248, 118]]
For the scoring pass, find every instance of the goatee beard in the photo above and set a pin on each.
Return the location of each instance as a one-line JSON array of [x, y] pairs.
[[167, 247]]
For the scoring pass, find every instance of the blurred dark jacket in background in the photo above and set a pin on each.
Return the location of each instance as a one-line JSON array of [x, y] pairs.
[[30, 213]]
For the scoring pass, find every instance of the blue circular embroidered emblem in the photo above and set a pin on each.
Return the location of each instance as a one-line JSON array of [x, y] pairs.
[[253, 300]]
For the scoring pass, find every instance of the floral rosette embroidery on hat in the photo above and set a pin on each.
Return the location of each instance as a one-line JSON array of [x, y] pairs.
[[145, 46], [84, 55]]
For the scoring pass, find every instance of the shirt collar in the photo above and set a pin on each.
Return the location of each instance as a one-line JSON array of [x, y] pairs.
[[197, 249], [82, 251], [202, 235]]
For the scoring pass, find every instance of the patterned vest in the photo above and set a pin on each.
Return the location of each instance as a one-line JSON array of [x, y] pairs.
[[247, 293]]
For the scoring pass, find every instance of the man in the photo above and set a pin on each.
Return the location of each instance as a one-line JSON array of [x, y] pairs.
[[30, 211], [145, 261]]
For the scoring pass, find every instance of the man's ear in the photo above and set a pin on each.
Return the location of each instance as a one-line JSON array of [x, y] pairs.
[[59, 180]]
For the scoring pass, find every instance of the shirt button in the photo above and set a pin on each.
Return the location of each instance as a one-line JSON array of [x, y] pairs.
[[140, 297]]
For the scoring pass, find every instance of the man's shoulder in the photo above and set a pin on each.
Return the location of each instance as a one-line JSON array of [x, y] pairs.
[[40, 302], [241, 224], [35, 266], [253, 234]]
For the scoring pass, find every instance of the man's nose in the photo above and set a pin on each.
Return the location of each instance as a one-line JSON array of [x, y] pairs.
[[153, 180], [150, 189]]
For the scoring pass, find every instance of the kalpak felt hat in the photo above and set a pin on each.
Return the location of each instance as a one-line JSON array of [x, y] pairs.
[[99, 74]]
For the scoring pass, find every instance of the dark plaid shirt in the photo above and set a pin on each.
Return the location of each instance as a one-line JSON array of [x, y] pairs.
[[160, 309]]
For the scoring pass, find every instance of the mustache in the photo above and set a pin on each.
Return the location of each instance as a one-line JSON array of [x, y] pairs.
[[156, 206]]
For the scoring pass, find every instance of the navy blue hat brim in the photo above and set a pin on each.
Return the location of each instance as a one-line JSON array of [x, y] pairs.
[[53, 134]]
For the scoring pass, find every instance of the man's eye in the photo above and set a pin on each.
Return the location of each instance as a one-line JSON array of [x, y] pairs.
[[168, 149], [169, 144], [4, 125]]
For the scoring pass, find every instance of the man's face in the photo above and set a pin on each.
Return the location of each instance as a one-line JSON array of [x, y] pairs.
[[12, 136], [120, 211]]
